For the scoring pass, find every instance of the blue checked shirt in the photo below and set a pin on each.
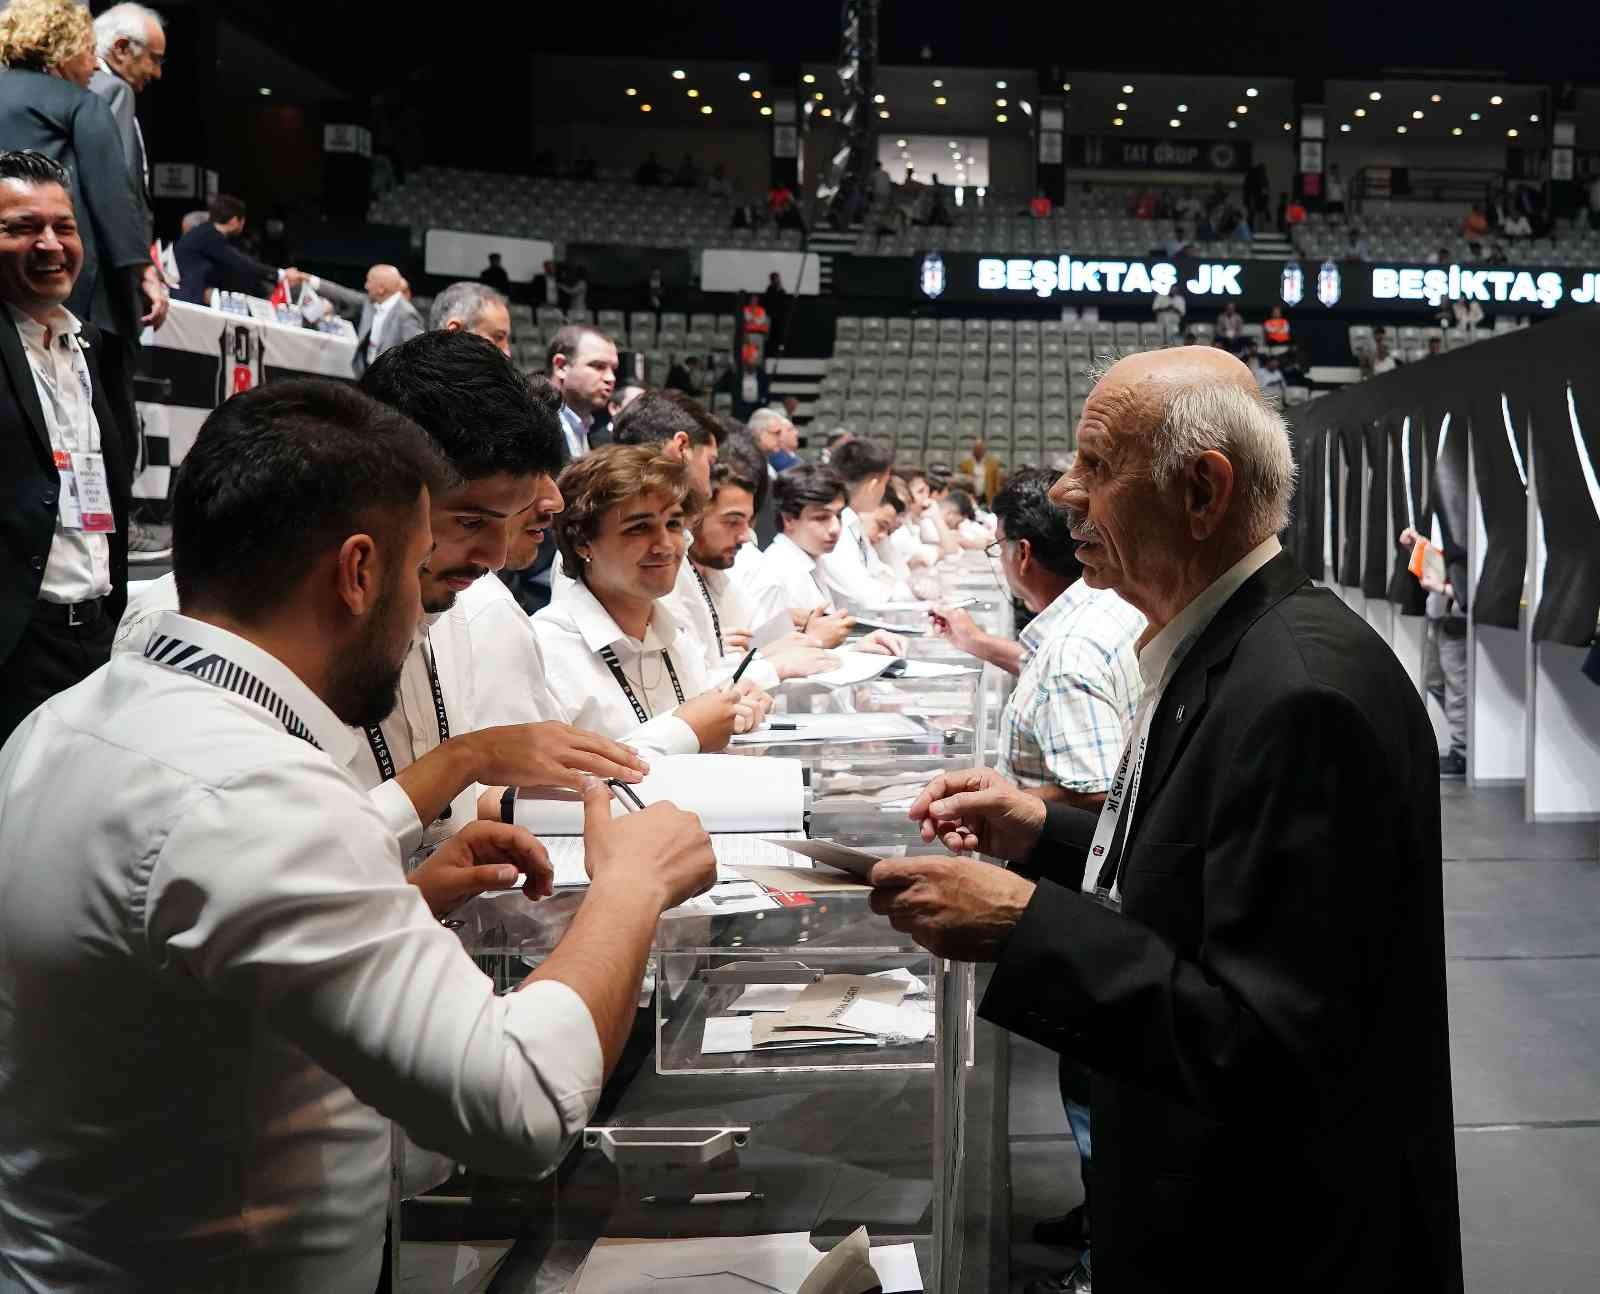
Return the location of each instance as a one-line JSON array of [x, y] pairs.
[[1079, 688]]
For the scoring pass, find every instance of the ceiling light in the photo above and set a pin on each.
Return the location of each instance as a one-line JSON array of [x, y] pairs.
[[1455, 130], [1122, 107], [755, 94], [1361, 112], [953, 144], [644, 107], [1175, 122], [817, 95], [631, 91], [899, 143], [878, 98], [1000, 117], [1127, 89], [692, 92], [999, 103], [766, 111], [970, 158], [1374, 96], [744, 76], [999, 85], [1416, 115], [939, 102], [1241, 109], [1251, 92], [1288, 125], [809, 79], [1474, 116], [1399, 130], [938, 85], [883, 113], [705, 109], [1434, 98], [1496, 100], [678, 74], [1533, 118], [1344, 127], [1116, 121], [1512, 133], [1233, 125], [1183, 107], [266, 89], [1066, 87]]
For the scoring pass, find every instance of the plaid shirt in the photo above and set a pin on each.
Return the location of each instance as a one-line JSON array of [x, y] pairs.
[[1080, 686]]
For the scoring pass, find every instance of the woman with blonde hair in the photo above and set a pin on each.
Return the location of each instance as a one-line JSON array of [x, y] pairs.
[[55, 37], [611, 645]]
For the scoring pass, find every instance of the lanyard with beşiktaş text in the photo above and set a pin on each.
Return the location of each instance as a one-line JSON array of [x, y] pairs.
[[380, 744], [615, 666], [716, 620]]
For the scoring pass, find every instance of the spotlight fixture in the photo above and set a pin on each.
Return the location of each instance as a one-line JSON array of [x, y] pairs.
[[631, 91], [266, 89], [1496, 100], [1434, 98], [1000, 117], [818, 95], [1361, 112], [1533, 118], [705, 109], [1399, 130], [1455, 130], [1512, 133], [953, 144], [883, 113], [1474, 116], [744, 76], [644, 107], [899, 143], [809, 79], [938, 85], [1416, 115], [1116, 121], [1175, 122], [1241, 109], [755, 94], [1288, 125], [939, 102], [1233, 125], [827, 112], [1375, 96], [878, 98], [999, 85], [692, 92], [1183, 107], [1066, 87], [678, 74], [766, 111], [1127, 89], [1122, 107], [1251, 92], [1344, 128], [999, 103]]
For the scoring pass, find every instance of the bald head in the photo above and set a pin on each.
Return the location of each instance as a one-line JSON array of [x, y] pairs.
[[383, 281]]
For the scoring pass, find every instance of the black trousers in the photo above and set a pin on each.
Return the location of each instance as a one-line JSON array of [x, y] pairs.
[[50, 657]]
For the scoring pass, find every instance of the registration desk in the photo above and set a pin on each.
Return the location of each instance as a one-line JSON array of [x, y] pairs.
[[704, 1135]]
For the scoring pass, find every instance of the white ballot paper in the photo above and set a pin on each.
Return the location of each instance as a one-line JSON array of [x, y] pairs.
[[830, 727], [858, 862], [780, 626], [853, 667], [777, 1263]]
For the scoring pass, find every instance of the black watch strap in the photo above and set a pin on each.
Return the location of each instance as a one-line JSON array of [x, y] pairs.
[[508, 803]]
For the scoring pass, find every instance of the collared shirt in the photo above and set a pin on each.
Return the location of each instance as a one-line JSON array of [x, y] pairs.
[[380, 320], [200, 961], [1162, 655], [138, 132], [854, 574], [786, 580], [79, 566], [1065, 721], [577, 434], [571, 633], [412, 728], [699, 590]]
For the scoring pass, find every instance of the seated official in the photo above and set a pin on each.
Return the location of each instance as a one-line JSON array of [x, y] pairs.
[[217, 988], [960, 517], [1077, 667], [855, 576], [717, 612], [925, 515], [430, 765], [809, 501], [611, 638]]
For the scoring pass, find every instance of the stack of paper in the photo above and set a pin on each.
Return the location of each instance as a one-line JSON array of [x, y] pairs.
[[781, 1263], [886, 1008], [835, 728]]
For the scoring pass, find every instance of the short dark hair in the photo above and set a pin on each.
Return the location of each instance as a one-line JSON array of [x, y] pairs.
[[32, 167], [741, 465], [803, 484], [224, 207], [856, 460], [910, 474], [894, 499], [472, 400], [963, 502], [567, 340], [1023, 507], [279, 475], [657, 416]]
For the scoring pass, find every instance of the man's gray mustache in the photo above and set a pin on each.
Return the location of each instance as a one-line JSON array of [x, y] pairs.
[[1081, 528]]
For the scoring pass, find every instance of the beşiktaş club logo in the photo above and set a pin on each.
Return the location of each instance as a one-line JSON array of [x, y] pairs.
[[931, 278]]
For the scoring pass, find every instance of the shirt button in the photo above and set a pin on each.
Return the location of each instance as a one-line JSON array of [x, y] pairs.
[[37, 563]]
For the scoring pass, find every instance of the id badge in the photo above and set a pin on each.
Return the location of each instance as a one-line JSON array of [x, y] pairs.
[[85, 497]]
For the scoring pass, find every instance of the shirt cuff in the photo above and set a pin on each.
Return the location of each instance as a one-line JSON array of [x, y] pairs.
[[666, 734], [399, 814], [557, 1037]]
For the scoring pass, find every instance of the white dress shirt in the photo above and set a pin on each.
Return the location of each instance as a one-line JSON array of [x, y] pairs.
[[571, 633], [79, 566], [1159, 661], [692, 602], [381, 314], [576, 433], [787, 580], [212, 979], [855, 575], [412, 728]]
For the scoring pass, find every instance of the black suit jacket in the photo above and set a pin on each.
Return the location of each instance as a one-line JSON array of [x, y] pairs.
[[29, 485], [76, 129], [1265, 1018], [208, 258]]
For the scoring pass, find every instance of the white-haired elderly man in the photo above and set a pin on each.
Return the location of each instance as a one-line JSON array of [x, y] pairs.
[[475, 308], [1245, 945], [131, 45]]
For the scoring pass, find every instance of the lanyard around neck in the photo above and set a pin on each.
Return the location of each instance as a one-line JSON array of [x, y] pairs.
[[380, 744], [705, 592], [615, 666]]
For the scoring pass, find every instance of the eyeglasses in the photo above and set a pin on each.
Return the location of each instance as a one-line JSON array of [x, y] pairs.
[[993, 551]]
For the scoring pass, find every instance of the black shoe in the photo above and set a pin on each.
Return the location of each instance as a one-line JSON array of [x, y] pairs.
[[1075, 1281], [1452, 764], [1069, 1231]]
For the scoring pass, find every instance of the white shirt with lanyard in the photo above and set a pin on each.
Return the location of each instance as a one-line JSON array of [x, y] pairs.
[[707, 601], [79, 566], [1158, 663]]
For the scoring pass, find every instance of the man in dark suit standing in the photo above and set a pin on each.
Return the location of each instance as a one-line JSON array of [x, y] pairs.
[[1246, 944], [207, 257], [64, 471]]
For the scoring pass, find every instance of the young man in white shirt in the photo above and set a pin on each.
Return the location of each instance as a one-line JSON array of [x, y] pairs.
[[215, 974], [810, 500], [430, 765], [856, 577]]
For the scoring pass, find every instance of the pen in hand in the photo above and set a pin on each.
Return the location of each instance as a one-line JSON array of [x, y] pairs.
[[743, 665], [623, 793]]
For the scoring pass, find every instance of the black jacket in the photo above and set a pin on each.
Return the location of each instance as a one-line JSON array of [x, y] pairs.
[[1265, 1018], [208, 258], [29, 485], [76, 129]]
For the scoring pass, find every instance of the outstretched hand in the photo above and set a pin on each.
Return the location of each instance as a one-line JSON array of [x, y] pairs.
[[483, 856]]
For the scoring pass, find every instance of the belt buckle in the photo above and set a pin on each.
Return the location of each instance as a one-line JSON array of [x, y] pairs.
[[72, 615]]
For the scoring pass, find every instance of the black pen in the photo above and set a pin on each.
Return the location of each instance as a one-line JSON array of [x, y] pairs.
[[784, 727], [743, 665], [624, 794]]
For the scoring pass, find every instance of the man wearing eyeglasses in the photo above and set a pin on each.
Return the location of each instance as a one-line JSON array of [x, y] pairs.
[[131, 43]]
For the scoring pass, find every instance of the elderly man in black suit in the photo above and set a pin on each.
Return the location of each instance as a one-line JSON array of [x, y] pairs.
[[65, 473], [1246, 944]]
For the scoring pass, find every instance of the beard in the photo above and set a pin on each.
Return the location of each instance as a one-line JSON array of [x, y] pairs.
[[366, 684], [714, 561], [440, 598]]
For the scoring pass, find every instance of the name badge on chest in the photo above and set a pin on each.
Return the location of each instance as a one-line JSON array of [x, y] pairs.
[[85, 499]]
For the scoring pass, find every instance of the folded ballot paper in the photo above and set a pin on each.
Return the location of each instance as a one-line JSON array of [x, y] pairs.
[[741, 802], [886, 1008]]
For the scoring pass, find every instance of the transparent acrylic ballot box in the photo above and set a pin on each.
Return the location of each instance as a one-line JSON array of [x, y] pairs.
[[689, 1145]]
